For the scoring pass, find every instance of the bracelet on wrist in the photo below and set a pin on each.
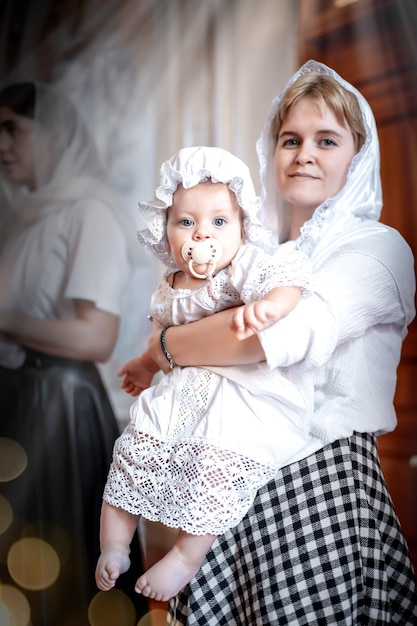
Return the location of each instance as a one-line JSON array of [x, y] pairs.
[[165, 352]]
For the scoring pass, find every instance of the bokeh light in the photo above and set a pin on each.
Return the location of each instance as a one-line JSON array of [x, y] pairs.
[[13, 459], [156, 617], [6, 617], [14, 607], [108, 608], [6, 515], [33, 563], [52, 533]]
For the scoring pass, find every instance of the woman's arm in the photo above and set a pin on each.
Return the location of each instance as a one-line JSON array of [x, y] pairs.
[[91, 335], [358, 288], [210, 341], [352, 293]]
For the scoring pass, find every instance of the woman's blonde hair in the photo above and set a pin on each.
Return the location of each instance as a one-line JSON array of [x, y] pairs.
[[325, 90]]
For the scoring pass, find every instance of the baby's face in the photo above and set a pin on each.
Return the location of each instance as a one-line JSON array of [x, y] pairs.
[[206, 211]]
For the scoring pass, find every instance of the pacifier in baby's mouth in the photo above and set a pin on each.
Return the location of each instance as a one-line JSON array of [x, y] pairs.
[[205, 252]]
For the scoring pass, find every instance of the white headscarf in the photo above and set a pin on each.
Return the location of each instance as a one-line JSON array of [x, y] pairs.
[[361, 197], [189, 167], [77, 172]]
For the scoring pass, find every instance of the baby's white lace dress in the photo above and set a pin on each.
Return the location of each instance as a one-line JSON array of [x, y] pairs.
[[202, 441]]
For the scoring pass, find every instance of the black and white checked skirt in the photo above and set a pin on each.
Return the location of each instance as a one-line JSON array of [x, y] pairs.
[[321, 546]]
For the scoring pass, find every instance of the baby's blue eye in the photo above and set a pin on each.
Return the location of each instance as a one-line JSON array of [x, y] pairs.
[[187, 222], [219, 221]]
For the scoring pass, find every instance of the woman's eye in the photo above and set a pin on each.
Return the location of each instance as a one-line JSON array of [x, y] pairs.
[[12, 129], [219, 221], [291, 142], [327, 142], [187, 223]]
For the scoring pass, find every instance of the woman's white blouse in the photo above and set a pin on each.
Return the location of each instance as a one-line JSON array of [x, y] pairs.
[[350, 331], [78, 252]]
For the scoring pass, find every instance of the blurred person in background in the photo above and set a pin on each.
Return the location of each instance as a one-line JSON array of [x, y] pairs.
[[64, 263]]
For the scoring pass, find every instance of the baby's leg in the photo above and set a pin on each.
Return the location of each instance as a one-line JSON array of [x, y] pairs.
[[168, 576], [117, 528]]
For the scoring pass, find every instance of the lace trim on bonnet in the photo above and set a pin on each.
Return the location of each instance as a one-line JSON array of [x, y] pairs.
[[359, 199], [191, 166]]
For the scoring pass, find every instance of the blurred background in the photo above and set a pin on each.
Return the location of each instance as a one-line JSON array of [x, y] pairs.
[[150, 76]]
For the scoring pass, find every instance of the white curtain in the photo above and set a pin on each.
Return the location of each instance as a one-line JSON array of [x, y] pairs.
[[151, 76]]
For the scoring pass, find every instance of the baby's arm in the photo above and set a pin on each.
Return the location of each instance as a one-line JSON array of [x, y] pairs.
[[138, 374], [255, 316]]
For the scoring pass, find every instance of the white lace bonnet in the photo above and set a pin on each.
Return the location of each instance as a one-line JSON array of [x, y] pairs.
[[189, 167]]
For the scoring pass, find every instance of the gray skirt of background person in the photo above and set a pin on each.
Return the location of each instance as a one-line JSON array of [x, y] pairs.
[[59, 412], [322, 545]]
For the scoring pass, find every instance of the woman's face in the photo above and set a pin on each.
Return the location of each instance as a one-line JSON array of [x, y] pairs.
[[312, 156], [18, 135]]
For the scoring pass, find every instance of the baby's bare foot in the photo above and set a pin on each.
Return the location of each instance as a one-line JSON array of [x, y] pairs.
[[167, 577], [111, 564]]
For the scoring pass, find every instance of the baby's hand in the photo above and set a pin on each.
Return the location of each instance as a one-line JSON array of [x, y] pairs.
[[253, 317], [136, 376]]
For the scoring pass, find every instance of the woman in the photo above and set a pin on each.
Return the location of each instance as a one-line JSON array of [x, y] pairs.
[[64, 260], [322, 543]]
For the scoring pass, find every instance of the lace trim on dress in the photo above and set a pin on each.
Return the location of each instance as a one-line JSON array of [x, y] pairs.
[[206, 490], [179, 479]]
